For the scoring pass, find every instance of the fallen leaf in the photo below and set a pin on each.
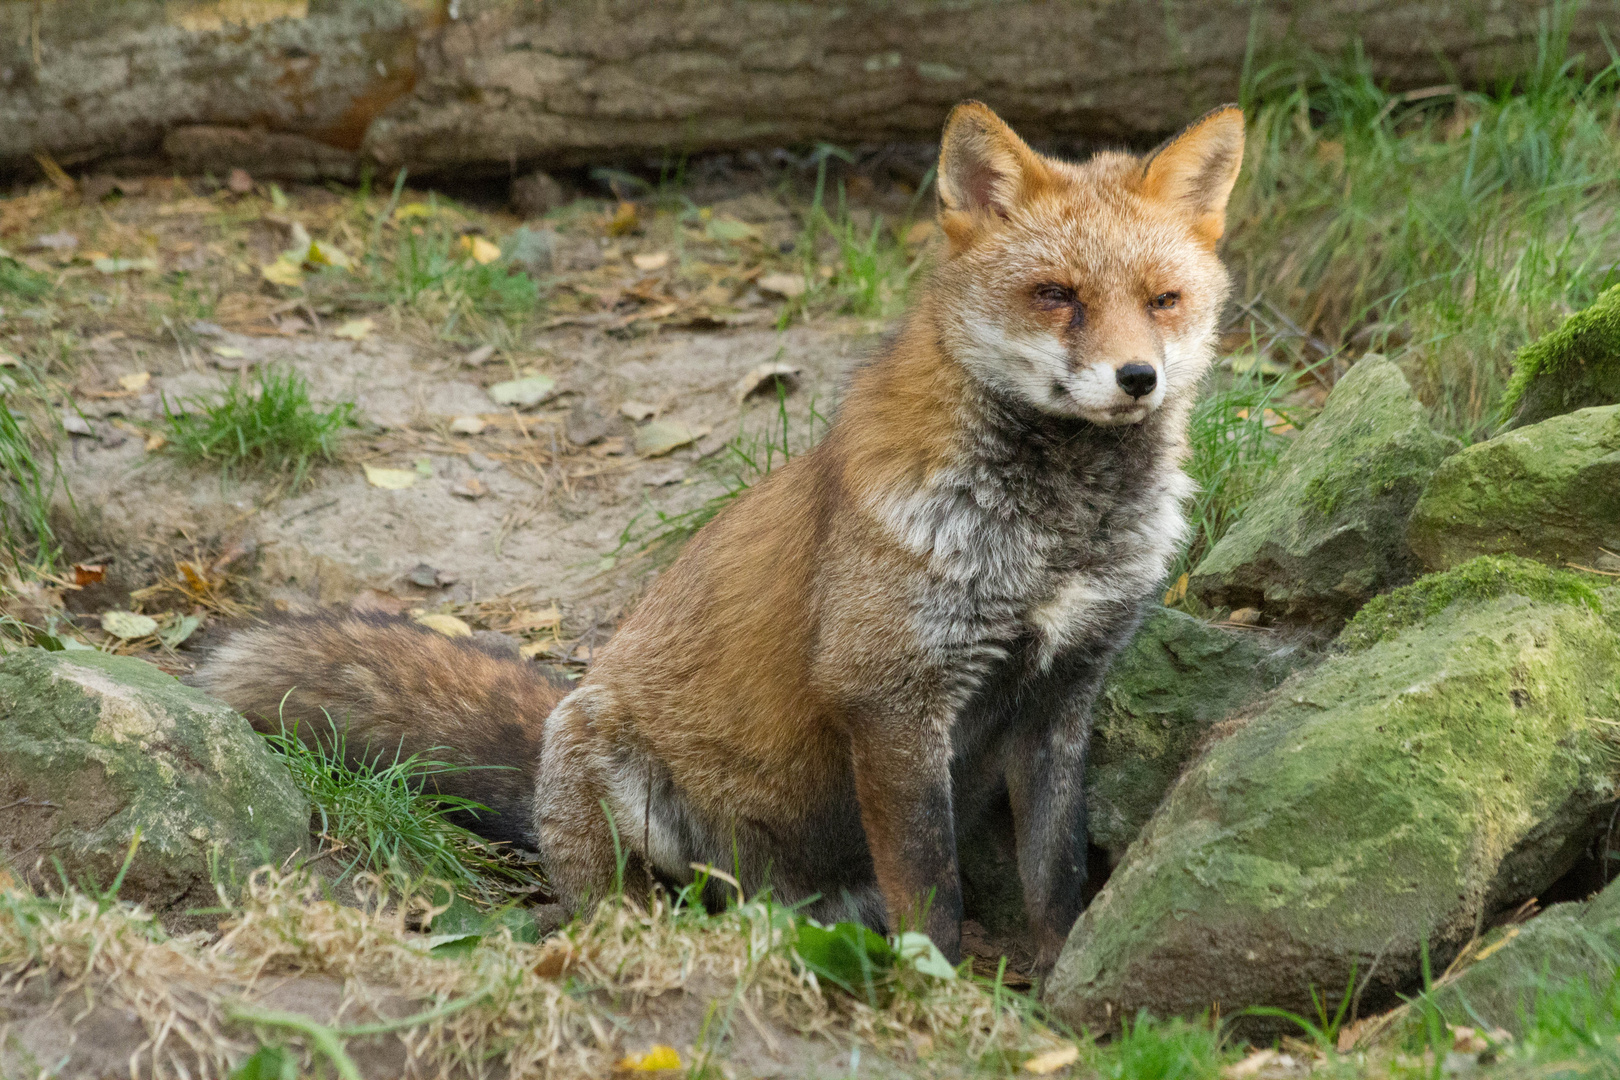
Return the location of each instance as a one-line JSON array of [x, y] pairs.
[[1245, 616], [229, 352], [1053, 1060], [390, 479], [787, 286], [1251, 1065], [286, 271], [425, 577], [88, 573], [1176, 592], [448, 625], [557, 958], [658, 1058], [239, 181], [650, 260], [625, 219], [532, 650], [470, 488], [156, 441], [610, 447], [74, 424], [179, 630], [126, 625], [417, 210], [731, 230], [423, 466], [479, 356], [355, 329], [467, 425], [481, 250], [126, 266], [135, 381], [637, 410], [661, 436], [56, 241], [523, 392], [769, 375], [326, 253], [7, 360]]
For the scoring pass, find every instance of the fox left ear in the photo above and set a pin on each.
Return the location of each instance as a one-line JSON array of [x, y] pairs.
[[984, 167], [1197, 169]]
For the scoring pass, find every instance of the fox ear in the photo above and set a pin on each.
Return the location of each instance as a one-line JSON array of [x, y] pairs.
[[1196, 169], [983, 166]]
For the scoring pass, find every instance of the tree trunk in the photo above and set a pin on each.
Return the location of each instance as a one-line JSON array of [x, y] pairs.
[[491, 84]]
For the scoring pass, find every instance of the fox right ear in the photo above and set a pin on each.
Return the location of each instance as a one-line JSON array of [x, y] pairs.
[[984, 167], [1196, 170]]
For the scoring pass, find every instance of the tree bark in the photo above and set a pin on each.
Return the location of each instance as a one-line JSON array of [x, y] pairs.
[[493, 84]]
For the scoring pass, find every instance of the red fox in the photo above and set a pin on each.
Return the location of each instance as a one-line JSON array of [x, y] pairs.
[[895, 628]]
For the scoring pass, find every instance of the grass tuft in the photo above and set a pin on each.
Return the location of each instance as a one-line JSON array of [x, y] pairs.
[[272, 428], [28, 481]]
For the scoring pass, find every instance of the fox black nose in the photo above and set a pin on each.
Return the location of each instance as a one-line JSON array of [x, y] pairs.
[[1137, 380]]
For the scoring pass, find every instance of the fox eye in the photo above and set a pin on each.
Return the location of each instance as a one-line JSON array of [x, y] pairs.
[[1164, 301], [1055, 294]]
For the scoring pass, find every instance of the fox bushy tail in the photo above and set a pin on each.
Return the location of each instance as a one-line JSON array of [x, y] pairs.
[[390, 686]]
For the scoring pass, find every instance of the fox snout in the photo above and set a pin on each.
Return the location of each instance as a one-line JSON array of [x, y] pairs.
[[1136, 379], [1111, 392]]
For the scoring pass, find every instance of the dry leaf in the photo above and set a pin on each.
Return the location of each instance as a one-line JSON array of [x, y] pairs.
[[1245, 616], [482, 251], [286, 271], [637, 410], [326, 253], [390, 479], [126, 625], [1177, 592], [448, 625], [88, 573], [7, 360], [656, 1059], [135, 381], [651, 260], [479, 356], [662, 436], [625, 219], [1053, 1060], [787, 286], [156, 441], [355, 329], [470, 488], [229, 352], [468, 425], [523, 392], [766, 375]]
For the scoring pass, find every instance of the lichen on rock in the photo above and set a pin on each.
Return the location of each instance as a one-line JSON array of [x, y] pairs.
[[1394, 796], [1326, 532], [1549, 491], [98, 748], [1574, 367]]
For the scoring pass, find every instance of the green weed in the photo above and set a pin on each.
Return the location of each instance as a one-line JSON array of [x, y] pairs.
[[17, 280], [1447, 228], [383, 812], [1151, 1049], [273, 427], [29, 477]]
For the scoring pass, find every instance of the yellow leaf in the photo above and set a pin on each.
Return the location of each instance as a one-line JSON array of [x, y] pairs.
[[135, 381], [1053, 1060], [413, 210], [390, 479], [326, 253], [355, 329], [482, 251], [1176, 591], [649, 261], [658, 1057], [448, 625], [229, 352], [286, 271], [625, 219]]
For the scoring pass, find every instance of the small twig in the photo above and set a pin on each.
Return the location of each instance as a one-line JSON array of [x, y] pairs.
[[309, 510], [330, 1040]]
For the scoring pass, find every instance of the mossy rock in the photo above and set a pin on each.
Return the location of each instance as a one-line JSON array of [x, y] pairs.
[[95, 748], [1326, 531], [1175, 681], [1520, 964], [1399, 794], [1574, 367], [1550, 491]]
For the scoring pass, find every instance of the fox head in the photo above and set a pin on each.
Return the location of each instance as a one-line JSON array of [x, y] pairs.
[[1087, 290]]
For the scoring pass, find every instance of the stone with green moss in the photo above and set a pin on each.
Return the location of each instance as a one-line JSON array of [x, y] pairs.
[[1326, 532], [1176, 680], [1550, 491], [1401, 794], [95, 749], [1520, 964], [1574, 367]]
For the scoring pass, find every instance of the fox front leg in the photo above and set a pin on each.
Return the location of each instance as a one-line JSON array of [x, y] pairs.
[[903, 785], [1046, 768]]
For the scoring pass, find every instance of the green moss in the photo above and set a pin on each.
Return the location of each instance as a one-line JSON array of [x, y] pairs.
[[1575, 366], [1483, 578]]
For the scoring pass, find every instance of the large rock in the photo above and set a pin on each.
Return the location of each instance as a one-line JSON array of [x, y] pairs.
[[1396, 795], [1326, 532], [95, 748], [1175, 681], [1574, 367], [1550, 491], [1521, 963]]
